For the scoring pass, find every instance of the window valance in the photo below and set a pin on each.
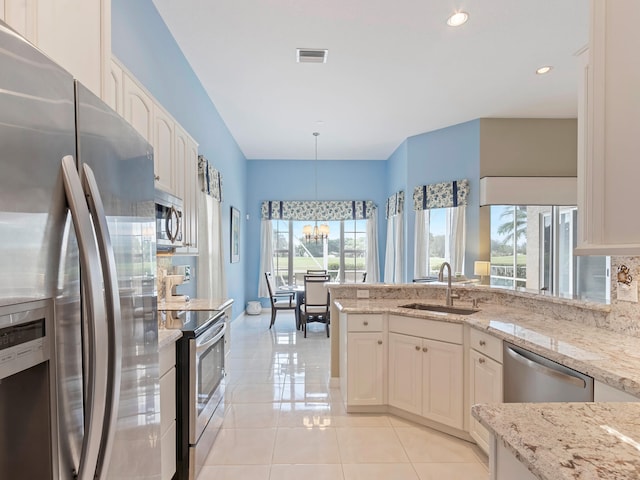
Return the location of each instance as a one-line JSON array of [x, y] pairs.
[[210, 178], [441, 195], [318, 210], [395, 204]]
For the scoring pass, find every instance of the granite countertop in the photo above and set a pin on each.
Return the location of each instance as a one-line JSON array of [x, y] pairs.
[[554, 440], [609, 357], [569, 440], [167, 336], [196, 304]]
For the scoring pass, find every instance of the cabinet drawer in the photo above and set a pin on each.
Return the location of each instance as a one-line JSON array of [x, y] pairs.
[[167, 358], [364, 323], [419, 327], [487, 344], [167, 399]]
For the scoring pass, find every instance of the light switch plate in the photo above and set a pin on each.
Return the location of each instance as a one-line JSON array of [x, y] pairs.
[[362, 293], [628, 293]]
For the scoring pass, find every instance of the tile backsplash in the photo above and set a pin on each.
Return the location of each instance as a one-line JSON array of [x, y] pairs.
[[624, 316]]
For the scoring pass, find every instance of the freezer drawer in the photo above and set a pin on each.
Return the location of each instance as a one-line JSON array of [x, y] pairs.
[[529, 377]]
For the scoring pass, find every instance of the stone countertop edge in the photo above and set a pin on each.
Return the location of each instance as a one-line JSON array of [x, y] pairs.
[[557, 441], [168, 336], [615, 362]]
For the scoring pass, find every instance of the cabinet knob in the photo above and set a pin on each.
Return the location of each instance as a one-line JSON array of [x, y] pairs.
[[365, 323], [379, 342], [156, 177], [417, 348], [425, 349], [482, 343], [481, 360]]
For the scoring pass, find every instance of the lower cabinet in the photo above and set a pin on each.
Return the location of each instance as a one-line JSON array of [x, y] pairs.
[[485, 379], [362, 359], [168, 411], [426, 378]]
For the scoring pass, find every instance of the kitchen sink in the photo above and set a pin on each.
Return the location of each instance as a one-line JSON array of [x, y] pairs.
[[440, 308]]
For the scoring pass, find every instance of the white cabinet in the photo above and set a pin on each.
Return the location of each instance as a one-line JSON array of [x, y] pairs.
[[114, 89], [175, 151], [163, 152], [168, 411], [609, 114], [426, 378], [185, 186], [75, 33], [363, 359], [426, 374], [21, 15], [138, 108], [405, 372], [485, 379]]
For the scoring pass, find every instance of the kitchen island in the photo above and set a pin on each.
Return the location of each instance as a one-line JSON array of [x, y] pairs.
[[546, 440]]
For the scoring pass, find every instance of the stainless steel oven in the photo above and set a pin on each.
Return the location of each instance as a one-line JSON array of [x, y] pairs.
[[206, 373], [200, 386]]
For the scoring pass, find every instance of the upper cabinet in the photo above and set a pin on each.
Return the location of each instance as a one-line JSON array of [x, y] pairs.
[[138, 108], [175, 153], [163, 151], [609, 113], [74, 33], [21, 16]]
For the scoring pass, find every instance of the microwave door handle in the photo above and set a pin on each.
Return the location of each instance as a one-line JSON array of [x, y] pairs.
[[96, 382], [114, 326], [173, 214]]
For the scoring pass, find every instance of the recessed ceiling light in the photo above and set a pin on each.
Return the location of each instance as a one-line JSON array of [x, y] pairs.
[[544, 70], [457, 19]]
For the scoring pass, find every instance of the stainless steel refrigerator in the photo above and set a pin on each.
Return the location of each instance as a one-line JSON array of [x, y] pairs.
[[78, 233]]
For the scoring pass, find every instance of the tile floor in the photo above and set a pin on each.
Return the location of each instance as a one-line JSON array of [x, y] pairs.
[[283, 422]]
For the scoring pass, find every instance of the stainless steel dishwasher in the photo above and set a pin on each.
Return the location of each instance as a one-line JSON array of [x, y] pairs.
[[529, 377]]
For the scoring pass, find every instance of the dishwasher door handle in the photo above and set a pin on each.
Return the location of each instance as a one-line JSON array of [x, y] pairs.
[[550, 372]]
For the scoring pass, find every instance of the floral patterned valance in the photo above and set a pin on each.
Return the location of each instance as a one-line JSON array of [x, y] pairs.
[[210, 178], [441, 195], [318, 210], [395, 204]]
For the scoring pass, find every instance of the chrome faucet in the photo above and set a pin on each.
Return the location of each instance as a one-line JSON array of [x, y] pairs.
[[450, 297]]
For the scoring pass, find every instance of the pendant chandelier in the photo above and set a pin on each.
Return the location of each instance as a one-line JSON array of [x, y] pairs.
[[316, 232]]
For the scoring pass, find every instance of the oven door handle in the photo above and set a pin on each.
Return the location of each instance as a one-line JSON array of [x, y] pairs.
[[206, 343]]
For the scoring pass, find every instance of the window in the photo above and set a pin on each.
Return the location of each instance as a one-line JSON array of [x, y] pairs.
[[532, 247], [441, 238], [343, 254]]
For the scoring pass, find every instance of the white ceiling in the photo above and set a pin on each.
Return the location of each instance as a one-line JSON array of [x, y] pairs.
[[395, 69]]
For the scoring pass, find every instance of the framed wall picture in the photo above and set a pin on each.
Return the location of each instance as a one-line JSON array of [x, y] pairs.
[[235, 235]]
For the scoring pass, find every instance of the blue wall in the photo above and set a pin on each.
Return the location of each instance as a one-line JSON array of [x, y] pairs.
[[142, 42], [293, 180], [451, 153]]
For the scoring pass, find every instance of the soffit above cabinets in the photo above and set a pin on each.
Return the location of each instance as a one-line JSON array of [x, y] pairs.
[[528, 191]]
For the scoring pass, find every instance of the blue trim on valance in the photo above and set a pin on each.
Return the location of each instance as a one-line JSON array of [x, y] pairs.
[[441, 195]]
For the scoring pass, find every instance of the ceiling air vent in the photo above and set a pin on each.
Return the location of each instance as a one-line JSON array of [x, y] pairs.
[[311, 55]]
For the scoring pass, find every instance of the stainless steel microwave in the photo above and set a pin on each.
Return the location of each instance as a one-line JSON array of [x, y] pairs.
[[168, 221]]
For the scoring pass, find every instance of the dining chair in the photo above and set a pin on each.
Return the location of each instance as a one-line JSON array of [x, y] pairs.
[[316, 302], [279, 300], [316, 272]]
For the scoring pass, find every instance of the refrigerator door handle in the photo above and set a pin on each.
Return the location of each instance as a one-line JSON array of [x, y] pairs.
[[114, 319], [93, 300]]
